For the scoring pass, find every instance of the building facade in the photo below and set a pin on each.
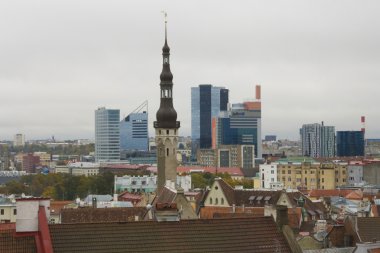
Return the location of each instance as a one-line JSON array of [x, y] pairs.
[[317, 140], [134, 131], [107, 134], [350, 143], [308, 176], [268, 175], [207, 102], [242, 156], [355, 173], [19, 140]]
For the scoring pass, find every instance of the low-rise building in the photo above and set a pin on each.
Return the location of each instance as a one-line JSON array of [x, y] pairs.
[[268, 175], [8, 211]]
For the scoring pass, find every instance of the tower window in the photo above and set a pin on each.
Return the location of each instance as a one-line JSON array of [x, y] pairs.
[[167, 152], [167, 131]]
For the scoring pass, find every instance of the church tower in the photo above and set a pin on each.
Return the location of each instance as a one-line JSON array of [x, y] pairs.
[[166, 125]]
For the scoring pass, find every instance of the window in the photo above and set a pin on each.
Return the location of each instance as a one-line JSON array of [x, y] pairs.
[[222, 201], [323, 180], [210, 201], [2, 211], [14, 211], [289, 179], [289, 172], [167, 152], [167, 131], [323, 172], [272, 179], [272, 172], [216, 201], [283, 171]]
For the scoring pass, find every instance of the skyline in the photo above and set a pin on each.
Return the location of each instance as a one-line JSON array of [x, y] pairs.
[[61, 61]]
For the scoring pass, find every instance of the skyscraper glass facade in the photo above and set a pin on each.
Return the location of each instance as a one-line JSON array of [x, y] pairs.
[[240, 127], [134, 132], [350, 143], [107, 134], [206, 102], [317, 140]]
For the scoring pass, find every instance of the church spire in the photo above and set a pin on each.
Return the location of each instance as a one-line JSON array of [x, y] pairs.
[[166, 114]]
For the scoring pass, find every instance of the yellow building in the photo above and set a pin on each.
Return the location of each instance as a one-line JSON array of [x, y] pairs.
[[312, 175], [45, 158]]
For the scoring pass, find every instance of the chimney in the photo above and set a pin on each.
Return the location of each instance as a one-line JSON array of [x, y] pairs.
[[258, 92], [281, 216], [27, 213], [362, 119]]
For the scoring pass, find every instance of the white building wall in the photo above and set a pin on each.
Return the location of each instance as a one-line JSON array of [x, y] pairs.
[[268, 175]]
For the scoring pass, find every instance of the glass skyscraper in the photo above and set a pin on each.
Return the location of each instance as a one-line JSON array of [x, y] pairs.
[[317, 140], [107, 135], [207, 102], [240, 126], [350, 143], [134, 132]]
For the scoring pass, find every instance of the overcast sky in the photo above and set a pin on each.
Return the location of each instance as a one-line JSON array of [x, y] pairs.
[[62, 59]]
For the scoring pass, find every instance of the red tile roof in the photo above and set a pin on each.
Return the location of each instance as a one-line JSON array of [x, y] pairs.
[[113, 214], [256, 234], [209, 212], [233, 171], [318, 193], [57, 206], [355, 195], [9, 243], [368, 228]]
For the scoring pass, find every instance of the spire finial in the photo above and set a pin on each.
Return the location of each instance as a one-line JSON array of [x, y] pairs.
[[166, 21]]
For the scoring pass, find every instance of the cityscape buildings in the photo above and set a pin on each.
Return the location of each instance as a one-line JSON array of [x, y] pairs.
[[350, 143], [317, 140], [207, 102], [134, 130], [107, 134], [240, 125]]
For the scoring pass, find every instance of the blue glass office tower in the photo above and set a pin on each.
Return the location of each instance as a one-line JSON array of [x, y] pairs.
[[350, 143], [134, 132], [206, 102], [240, 126], [107, 135]]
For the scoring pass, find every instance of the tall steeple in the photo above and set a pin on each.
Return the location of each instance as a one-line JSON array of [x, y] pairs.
[[166, 114], [166, 125]]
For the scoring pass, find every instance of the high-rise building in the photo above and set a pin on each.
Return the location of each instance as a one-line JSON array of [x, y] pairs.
[[166, 125], [240, 125], [134, 130], [107, 135], [317, 140], [19, 140], [350, 143], [207, 102]]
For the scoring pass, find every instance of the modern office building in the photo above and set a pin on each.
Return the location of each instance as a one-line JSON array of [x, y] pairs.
[[107, 135], [240, 125], [134, 130], [207, 102], [350, 143], [317, 140]]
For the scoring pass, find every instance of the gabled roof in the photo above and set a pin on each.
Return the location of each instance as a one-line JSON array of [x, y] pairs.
[[368, 228], [57, 206], [248, 198], [114, 214], [258, 234], [318, 193], [355, 195]]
